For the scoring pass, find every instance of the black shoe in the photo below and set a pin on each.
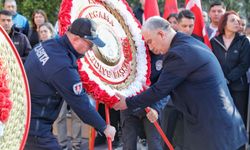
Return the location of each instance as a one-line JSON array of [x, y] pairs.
[[116, 143], [99, 140]]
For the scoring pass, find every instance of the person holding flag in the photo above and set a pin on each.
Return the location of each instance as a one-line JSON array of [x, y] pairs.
[[199, 25]]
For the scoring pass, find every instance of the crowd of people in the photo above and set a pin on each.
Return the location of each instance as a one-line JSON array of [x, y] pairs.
[[201, 105]]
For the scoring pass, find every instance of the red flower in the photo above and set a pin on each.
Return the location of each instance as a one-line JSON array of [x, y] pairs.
[[5, 103], [5, 91], [4, 115]]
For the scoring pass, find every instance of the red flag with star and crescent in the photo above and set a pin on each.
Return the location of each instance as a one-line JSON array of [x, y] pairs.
[[199, 26], [170, 7]]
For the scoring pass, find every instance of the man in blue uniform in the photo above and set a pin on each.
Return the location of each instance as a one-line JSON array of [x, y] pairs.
[[52, 73], [193, 77]]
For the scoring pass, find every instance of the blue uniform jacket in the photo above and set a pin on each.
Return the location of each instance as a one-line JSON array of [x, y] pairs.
[[52, 74], [193, 77], [156, 68], [22, 23]]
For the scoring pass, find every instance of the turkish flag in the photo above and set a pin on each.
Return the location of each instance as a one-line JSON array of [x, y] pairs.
[[199, 26], [151, 9], [170, 7]]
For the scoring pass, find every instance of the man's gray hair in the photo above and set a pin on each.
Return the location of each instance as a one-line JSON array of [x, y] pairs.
[[156, 22]]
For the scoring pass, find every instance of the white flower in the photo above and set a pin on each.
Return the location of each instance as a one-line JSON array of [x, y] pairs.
[[1, 128]]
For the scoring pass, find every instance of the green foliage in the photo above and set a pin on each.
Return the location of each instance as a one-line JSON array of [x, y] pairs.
[[50, 7], [1, 4], [26, 8]]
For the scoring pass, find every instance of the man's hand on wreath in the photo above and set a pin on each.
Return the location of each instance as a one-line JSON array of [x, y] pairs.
[[121, 105]]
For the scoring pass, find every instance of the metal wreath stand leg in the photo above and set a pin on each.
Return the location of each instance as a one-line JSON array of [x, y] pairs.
[[93, 132]]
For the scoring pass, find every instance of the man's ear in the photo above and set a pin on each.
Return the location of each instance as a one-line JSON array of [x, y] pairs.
[[161, 33]]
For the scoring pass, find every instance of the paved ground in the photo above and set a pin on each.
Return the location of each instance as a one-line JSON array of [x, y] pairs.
[[105, 146], [85, 132], [85, 145]]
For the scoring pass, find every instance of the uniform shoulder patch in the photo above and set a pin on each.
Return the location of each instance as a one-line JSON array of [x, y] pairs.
[[77, 88], [158, 65]]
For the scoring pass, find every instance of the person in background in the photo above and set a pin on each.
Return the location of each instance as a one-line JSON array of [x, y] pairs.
[[76, 128], [47, 67], [20, 21], [46, 31], [20, 41], [232, 50], [215, 11], [173, 20], [186, 20], [247, 31], [139, 11], [38, 17], [243, 25], [192, 76], [205, 17]]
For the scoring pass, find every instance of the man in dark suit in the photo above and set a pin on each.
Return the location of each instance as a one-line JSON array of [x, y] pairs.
[[193, 77]]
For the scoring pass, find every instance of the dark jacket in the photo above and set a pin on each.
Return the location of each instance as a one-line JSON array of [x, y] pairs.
[[21, 43], [234, 61], [139, 13], [52, 74], [33, 37], [193, 77]]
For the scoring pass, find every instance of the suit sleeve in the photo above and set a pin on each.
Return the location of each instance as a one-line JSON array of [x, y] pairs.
[[175, 70], [64, 81]]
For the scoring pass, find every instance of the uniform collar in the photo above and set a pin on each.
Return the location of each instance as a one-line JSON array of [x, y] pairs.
[[69, 46]]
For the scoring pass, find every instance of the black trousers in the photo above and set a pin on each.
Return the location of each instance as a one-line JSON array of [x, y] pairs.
[[241, 102], [42, 143]]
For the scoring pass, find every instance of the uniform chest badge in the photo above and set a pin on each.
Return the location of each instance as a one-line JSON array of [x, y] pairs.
[[158, 65], [77, 88]]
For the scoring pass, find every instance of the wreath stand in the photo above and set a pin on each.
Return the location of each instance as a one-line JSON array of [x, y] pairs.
[[107, 115], [93, 132]]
